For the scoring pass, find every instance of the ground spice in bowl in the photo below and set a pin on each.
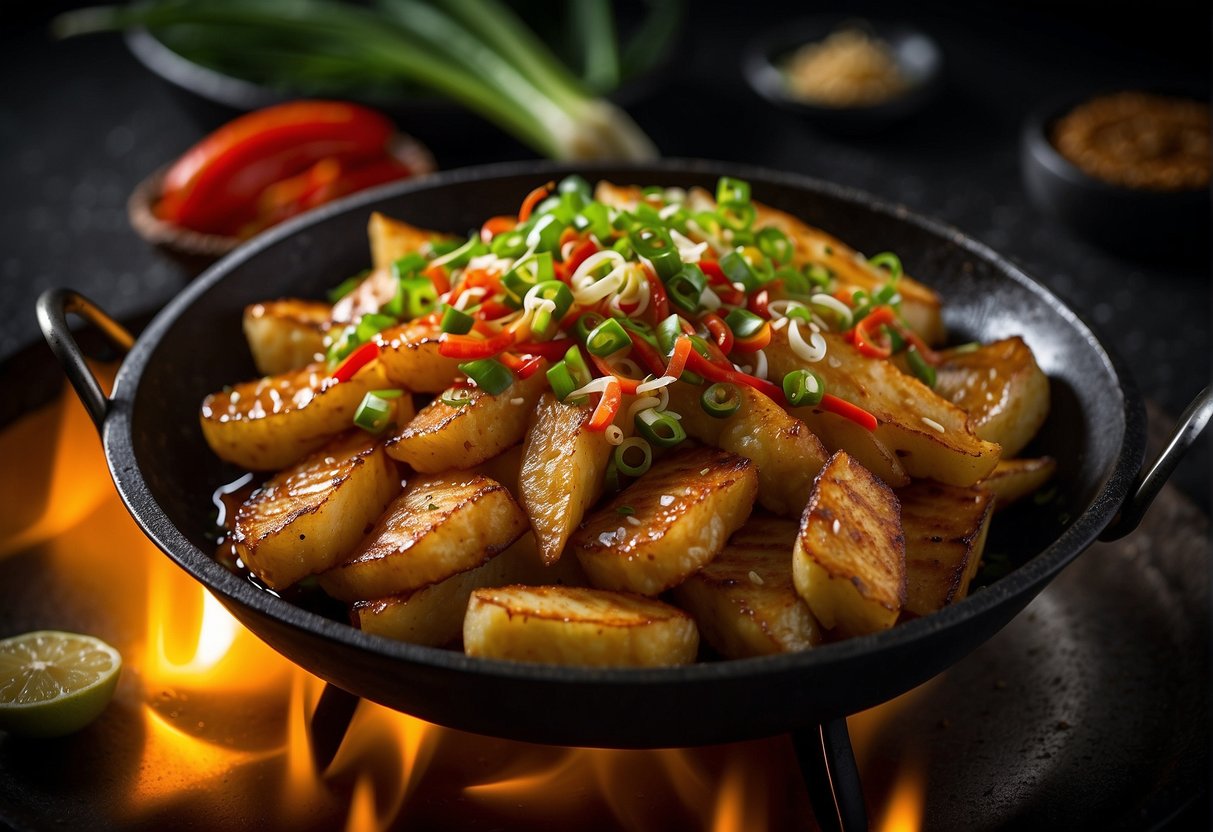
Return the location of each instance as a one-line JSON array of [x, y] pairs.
[[1138, 140]]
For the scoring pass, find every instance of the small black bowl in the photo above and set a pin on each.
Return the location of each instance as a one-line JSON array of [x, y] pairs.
[[916, 53], [1160, 225]]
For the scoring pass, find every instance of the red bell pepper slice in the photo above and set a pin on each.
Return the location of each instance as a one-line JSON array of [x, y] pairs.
[[841, 407], [466, 347], [719, 330], [628, 385], [657, 296], [608, 406], [532, 199], [355, 361], [496, 225], [551, 350]]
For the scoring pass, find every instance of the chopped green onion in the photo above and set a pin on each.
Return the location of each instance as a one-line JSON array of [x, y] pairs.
[[685, 287], [919, 366], [738, 216], [373, 414], [639, 329], [418, 296], [391, 393], [526, 274], [738, 270], [561, 380], [607, 338], [744, 323], [818, 274], [803, 388], [490, 375], [577, 366], [655, 244], [597, 218], [545, 234], [341, 346], [626, 511], [660, 428], [887, 260], [441, 248], [885, 294], [407, 265], [585, 324], [668, 331], [557, 207], [732, 190], [457, 396], [574, 184], [794, 283], [611, 483], [896, 342], [456, 321], [653, 190], [721, 400], [459, 257], [346, 286], [775, 244], [557, 293], [508, 244], [623, 246], [370, 324], [633, 468], [972, 346]]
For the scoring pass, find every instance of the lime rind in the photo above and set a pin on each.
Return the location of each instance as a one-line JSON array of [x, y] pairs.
[[54, 683]]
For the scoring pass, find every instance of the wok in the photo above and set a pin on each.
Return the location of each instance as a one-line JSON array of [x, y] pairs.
[[165, 473]]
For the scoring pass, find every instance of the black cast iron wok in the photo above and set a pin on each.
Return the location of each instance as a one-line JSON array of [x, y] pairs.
[[165, 472]]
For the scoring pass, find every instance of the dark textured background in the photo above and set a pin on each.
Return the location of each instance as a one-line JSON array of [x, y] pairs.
[[81, 122]]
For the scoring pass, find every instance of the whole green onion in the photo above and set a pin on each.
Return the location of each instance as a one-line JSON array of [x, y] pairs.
[[607, 338], [660, 428], [803, 388], [490, 375], [721, 400]]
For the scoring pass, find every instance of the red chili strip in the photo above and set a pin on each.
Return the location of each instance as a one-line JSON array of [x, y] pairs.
[[683, 349], [579, 255], [532, 199], [657, 296], [647, 356], [551, 350], [712, 372], [355, 361], [840, 407], [608, 406], [463, 346], [522, 366], [720, 331], [495, 226], [865, 333], [628, 385]]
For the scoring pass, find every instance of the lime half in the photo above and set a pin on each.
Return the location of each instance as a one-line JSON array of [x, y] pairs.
[[54, 683]]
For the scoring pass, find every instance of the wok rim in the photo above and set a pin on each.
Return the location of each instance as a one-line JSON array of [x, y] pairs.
[[1024, 582]]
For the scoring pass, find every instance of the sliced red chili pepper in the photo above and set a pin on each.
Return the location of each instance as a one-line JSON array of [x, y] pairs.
[[214, 186], [683, 348], [758, 304], [713, 372], [579, 255], [481, 278], [628, 385], [551, 350], [647, 356], [720, 331], [491, 310], [496, 225], [355, 361], [724, 287], [841, 407], [522, 366], [463, 346], [864, 334], [755, 342], [567, 236], [532, 199], [438, 276], [608, 406], [657, 296]]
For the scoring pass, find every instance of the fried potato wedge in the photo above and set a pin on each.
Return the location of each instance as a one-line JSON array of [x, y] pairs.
[[410, 357], [392, 239], [920, 305], [576, 626], [849, 560], [270, 423], [684, 510], [284, 335], [1014, 479], [945, 529], [471, 433], [929, 434], [310, 516], [838, 433], [744, 602], [1002, 389], [440, 526], [433, 615], [506, 468], [785, 452], [563, 464]]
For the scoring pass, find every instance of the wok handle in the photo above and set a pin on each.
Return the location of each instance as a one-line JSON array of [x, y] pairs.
[[54, 305], [1188, 429]]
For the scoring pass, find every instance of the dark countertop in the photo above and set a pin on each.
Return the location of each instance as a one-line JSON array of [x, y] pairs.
[[81, 123]]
